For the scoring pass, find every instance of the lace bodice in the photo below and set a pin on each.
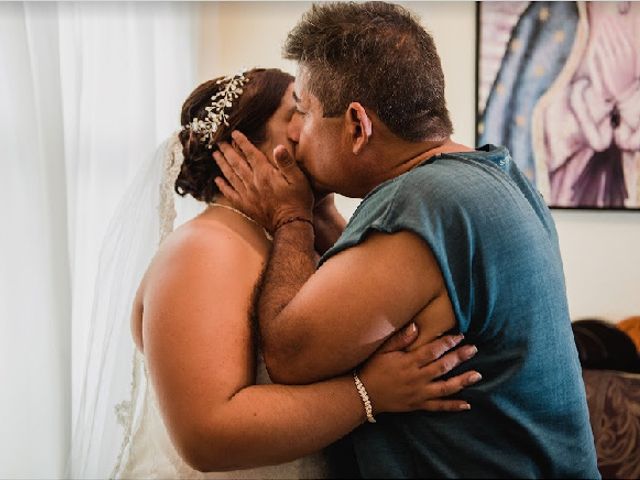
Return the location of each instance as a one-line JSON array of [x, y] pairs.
[[151, 455]]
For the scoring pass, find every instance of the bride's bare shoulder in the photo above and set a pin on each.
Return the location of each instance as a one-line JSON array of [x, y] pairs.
[[200, 264], [200, 245]]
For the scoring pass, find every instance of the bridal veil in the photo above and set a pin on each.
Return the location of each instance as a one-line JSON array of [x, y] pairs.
[[114, 381]]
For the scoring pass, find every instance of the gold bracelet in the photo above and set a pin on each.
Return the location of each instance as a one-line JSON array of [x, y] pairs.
[[368, 409]]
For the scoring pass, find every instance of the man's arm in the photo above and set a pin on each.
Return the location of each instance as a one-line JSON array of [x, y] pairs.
[[316, 325]]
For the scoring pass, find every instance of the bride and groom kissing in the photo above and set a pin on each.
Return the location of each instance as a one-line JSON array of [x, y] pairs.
[[374, 332]]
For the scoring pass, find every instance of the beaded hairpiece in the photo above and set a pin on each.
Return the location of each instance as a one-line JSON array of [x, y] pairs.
[[217, 111]]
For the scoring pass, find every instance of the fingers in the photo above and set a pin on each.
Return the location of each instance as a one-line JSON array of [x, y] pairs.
[[227, 190], [451, 386], [429, 352], [446, 406], [286, 163], [283, 158], [250, 151], [449, 361], [228, 171], [237, 162], [435, 392], [401, 339]]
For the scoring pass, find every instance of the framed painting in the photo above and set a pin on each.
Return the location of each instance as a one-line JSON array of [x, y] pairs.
[[558, 84]]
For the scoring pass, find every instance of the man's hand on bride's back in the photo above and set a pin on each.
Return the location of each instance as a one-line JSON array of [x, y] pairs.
[[400, 381], [266, 192]]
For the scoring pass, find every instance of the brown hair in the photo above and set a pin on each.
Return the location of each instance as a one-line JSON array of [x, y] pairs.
[[377, 54], [249, 113]]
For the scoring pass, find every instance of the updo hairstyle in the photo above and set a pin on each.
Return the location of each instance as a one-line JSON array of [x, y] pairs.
[[249, 114]]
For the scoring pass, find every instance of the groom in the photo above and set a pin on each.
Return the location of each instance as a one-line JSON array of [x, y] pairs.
[[452, 237]]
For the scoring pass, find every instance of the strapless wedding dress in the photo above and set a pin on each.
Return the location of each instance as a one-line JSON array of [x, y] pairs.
[[149, 453]]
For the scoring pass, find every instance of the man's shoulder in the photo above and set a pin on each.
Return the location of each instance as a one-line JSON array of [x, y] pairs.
[[432, 184]]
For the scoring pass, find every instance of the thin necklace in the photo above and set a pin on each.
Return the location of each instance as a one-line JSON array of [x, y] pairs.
[[242, 214]]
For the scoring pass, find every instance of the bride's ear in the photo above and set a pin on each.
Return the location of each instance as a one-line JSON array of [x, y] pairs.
[[359, 128]]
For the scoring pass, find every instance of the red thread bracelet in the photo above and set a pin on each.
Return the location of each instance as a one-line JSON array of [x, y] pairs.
[[282, 223]]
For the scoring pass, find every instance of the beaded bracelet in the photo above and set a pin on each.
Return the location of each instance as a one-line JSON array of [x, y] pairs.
[[368, 409]]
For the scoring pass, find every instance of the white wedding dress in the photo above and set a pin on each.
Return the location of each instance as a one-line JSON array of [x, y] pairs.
[[150, 454], [119, 431]]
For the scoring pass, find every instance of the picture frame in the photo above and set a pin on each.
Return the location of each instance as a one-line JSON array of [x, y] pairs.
[[558, 84]]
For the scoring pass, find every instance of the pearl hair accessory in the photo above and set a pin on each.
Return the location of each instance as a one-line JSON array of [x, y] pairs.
[[217, 111]]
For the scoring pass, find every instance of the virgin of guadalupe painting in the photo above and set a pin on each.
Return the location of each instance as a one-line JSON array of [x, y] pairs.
[[559, 86]]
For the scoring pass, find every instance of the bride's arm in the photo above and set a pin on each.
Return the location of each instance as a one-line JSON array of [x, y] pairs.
[[199, 350], [328, 223]]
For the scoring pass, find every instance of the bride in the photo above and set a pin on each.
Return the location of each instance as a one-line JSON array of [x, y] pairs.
[[199, 403]]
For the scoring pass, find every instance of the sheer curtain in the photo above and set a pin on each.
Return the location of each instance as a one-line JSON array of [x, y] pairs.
[[87, 91]]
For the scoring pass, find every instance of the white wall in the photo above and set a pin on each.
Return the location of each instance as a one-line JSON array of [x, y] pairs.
[[600, 250]]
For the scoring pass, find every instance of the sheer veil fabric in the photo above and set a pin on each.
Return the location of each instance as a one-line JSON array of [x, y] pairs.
[[119, 431], [114, 381]]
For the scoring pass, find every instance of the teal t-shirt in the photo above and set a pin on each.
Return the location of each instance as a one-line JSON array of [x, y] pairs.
[[497, 248]]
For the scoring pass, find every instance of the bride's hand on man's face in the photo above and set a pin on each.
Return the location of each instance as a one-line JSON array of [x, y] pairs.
[[266, 192]]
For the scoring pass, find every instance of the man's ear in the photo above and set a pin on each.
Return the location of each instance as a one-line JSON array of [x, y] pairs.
[[359, 128]]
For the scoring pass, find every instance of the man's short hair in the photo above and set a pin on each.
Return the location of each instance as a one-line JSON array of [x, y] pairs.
[[377, 54]]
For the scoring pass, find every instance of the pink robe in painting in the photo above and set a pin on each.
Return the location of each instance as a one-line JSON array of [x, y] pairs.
[[588, 123]]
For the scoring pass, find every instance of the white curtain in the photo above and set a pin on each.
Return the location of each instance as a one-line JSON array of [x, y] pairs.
[[87, 91]]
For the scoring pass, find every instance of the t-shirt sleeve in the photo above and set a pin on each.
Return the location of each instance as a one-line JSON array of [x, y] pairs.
[[403, 205]]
